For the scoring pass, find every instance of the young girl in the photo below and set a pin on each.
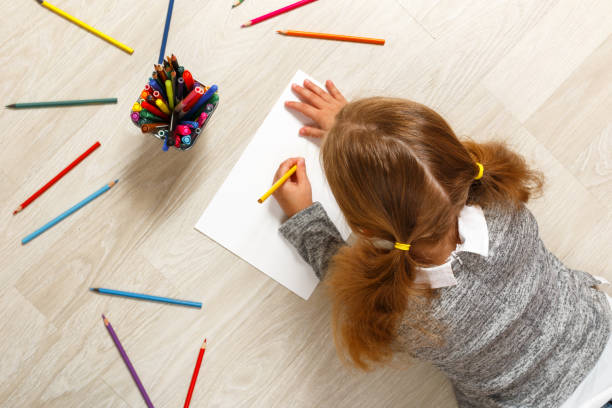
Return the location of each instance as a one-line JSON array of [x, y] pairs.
[[447, 264]]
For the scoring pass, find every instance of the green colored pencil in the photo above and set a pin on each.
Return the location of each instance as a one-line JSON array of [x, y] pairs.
[[61, 103]]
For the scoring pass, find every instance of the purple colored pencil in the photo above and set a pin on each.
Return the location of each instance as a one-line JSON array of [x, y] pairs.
[[127, 361]]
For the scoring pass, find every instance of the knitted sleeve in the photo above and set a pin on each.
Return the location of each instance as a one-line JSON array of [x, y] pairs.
[[315, 237]]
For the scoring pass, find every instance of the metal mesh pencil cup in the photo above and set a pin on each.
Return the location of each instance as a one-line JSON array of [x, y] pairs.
[[174, 107]]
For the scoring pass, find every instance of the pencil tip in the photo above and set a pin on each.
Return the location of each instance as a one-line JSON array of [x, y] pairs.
[[116, 181], [18, 209], [104, 317], [93, 289], [11, 106]]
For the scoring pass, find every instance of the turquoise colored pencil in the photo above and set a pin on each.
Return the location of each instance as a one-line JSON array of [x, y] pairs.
[[66, 213], [52, 104], [147, 297]]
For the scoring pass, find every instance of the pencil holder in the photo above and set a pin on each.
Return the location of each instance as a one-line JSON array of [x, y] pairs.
[[173, 106]]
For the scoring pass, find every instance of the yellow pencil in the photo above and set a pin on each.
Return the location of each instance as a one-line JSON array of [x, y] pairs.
[[86, 26], [278, 184]]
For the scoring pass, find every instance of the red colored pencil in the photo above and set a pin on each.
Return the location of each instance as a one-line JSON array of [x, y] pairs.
[[277, 12], [54, 179], [194, 377]]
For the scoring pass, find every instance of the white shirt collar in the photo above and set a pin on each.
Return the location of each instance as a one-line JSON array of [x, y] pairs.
[[474, 236]]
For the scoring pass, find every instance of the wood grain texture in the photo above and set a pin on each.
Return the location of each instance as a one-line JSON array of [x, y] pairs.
[[535, 74]]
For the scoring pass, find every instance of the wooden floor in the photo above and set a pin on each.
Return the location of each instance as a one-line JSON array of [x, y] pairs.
[[534, 73]]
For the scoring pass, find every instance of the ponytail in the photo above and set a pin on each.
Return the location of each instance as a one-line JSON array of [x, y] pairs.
[[506, 178], [370, 288]]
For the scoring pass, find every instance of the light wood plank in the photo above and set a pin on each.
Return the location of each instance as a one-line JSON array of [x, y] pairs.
[[548, 54], [575, 124]]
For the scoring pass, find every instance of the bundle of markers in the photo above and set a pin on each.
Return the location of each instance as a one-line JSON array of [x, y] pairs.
[[173, 106]]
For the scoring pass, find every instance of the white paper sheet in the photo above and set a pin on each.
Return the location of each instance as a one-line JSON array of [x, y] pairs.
[[238, 222]]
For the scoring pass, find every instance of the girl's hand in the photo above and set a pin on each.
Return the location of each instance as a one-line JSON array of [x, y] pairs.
[[318, 105], [295, 194]]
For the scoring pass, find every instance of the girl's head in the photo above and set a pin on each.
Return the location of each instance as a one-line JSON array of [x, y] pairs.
[[399, 174]]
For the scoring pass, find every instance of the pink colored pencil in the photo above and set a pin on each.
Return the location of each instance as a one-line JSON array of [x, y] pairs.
[[277, 12]]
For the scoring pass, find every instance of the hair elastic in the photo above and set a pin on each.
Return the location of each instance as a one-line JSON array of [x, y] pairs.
[[403, 247], [480, 171]]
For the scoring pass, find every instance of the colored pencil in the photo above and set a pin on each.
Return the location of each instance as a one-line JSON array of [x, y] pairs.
[[146, 297], [194, 377], [127, 361], [237, 3], [277, 12], [69, 211], [279, 183], [56, 178], [162, 51], [86, 26], [53, 104], [339, 37]]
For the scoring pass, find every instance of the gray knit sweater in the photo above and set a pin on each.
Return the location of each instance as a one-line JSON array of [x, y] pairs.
[[521, 329]]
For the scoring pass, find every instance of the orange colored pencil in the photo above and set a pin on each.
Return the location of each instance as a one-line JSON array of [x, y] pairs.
[[338, 37], [194, 377]]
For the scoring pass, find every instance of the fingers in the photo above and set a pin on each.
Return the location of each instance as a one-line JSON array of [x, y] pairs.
[[304, 109], [301, 170], [316, 90], [307, 96], [311, 131], [331, 88], [284, 167]]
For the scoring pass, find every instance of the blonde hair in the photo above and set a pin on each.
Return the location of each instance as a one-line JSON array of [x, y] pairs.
[[399, 173]]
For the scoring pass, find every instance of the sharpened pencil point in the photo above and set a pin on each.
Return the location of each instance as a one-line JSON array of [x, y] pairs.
[[93, 289], [40, 1], [11, 106]]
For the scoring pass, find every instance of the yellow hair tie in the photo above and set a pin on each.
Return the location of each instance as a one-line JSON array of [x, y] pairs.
[[403, 247], [480, 171]]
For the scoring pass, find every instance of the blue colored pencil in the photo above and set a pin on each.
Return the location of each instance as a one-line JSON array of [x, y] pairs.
[[147, 297], [69, 211], [162, 51]]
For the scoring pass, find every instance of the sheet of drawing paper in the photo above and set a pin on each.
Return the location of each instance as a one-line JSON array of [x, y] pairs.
[[249, 229]]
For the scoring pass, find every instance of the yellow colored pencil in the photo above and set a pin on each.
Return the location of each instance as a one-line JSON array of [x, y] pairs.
[[86, 26], [278, 184]]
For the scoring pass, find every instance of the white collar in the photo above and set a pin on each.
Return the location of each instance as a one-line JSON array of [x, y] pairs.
[[474, 236]]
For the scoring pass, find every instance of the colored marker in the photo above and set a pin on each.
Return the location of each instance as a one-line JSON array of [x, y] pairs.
[[190, 100], [162, 106], [188, 80], [196, 107]]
